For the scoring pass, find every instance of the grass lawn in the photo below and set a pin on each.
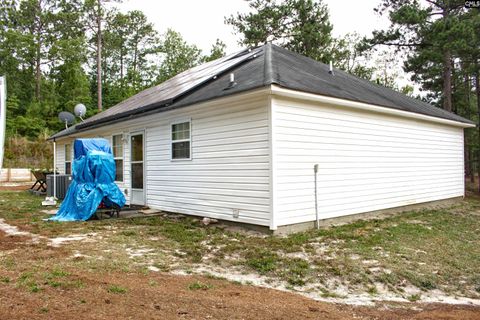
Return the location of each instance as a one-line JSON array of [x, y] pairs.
[[411, 255]]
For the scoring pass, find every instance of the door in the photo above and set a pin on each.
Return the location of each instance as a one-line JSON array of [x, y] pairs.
[[137, 169]]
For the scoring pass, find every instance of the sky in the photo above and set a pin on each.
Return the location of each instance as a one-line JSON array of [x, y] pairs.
[[201, 22]]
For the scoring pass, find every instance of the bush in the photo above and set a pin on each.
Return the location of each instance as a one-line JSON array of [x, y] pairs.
[[21, 152]]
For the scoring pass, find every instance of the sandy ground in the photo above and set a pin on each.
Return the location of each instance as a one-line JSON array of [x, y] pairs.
[[156, 295]]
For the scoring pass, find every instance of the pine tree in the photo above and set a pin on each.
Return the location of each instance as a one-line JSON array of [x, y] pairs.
[[177, 54], [302, 26], [430, 35]]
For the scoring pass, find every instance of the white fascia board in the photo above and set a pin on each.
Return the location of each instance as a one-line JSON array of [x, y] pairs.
[[288, 93]]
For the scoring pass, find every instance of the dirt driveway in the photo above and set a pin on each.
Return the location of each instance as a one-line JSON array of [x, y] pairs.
[[15, 186], [43, 292]]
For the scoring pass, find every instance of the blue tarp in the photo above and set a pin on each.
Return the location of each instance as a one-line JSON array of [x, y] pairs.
[[82, 146], [93, 175]]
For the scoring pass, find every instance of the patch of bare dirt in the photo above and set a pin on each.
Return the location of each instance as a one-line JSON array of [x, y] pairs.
[[434, 311], [157, 295], [15, 186], [169, 298], [9, 242], [24, 248], [163, 296]]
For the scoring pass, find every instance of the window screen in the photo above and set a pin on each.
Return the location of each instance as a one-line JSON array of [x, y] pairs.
[[181, 140]]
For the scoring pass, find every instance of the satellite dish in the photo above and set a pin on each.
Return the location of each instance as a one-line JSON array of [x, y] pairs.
[[66, 117], [80, 110]]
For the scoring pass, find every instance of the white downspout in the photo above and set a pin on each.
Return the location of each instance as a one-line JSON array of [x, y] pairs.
[[54, 170], [51, 201]]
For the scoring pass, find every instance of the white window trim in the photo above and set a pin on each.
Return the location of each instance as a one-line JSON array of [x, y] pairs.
[[120, 158], [71, 157], [178, 121]]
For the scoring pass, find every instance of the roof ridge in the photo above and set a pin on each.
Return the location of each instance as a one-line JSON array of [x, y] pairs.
[[267, 65]]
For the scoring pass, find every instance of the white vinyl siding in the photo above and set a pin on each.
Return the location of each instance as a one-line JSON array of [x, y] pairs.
[[60, 147], [229, 167], [229, 170], [367, 161]]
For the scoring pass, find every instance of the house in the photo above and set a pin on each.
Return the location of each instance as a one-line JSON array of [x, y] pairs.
[[239, 139]]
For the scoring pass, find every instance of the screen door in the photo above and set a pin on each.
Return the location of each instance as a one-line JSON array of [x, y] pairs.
[[137, 166]]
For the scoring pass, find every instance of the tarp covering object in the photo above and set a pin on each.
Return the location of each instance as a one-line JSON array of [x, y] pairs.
[[93, 173], [82, 146]]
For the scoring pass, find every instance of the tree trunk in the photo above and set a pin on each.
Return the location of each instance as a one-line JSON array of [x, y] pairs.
[[447, 66], [466, 159], [477, 90], [99, 56], [447, 80], [38, 73], [453, 86], [472, 172], [121, 70], [38, 51], [470, 158], [135, 55]]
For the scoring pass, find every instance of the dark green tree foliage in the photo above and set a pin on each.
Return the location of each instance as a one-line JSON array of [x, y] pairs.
[[35, 25], [95, 12], [310, 29], [142, 43], [38, 42], [466, 86], [302, 26], [217, 51], [350, 57], [15, 58], [431, 33], [130, 46], [48, 51], [70, 80], [177, 56]]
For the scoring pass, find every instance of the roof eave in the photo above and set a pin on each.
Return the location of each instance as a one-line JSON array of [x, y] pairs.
[[289, 93], [94, 125]]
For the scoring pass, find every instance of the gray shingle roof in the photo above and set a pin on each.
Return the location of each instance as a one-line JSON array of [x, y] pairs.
[[256, 68]]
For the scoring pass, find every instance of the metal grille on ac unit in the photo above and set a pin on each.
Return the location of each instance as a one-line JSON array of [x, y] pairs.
[[63, 182]]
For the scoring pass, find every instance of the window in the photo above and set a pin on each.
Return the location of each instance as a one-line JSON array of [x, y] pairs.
[[181, 140], [117, 146], [68, 159]]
